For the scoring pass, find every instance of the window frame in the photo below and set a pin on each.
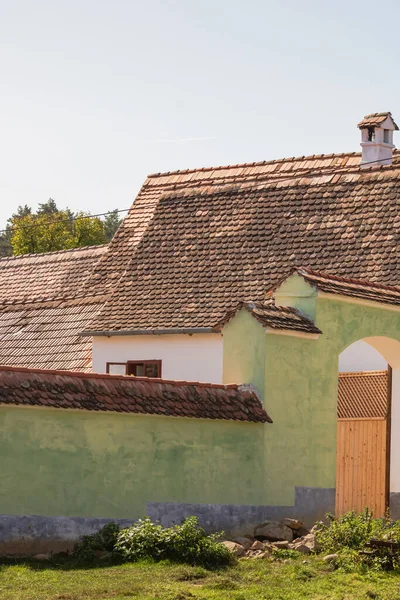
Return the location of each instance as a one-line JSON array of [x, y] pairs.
[[136, 362]]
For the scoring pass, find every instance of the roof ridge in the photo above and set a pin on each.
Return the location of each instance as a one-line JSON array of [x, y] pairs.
[[349, 280], [52, 253], [253, 164], [86, 375]]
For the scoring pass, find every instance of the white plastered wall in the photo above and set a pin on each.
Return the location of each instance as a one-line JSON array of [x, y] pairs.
[[395, 433], [360, 356], [196, 357]]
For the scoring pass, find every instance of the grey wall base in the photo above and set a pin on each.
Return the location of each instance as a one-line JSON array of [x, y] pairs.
[[29, 535], [394, 505], [311, 505]]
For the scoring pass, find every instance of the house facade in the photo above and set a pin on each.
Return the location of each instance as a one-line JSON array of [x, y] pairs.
[[276, 275]]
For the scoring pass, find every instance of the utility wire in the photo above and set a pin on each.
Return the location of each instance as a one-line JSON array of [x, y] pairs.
[[11, 229], [277, 179]]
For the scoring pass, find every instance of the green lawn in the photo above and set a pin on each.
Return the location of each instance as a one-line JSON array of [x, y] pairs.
[[250, 580]]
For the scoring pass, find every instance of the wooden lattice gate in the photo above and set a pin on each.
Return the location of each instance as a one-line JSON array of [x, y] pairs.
[[362, 442]]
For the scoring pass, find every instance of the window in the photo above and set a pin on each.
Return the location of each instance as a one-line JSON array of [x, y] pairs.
[[116, 368], [371, 134], [386, 136], [138, 368]]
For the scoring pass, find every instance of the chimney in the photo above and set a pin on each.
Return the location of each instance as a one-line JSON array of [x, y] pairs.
[[377, 139]]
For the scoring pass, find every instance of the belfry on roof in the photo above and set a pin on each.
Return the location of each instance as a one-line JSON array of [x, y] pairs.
[[377, 139]]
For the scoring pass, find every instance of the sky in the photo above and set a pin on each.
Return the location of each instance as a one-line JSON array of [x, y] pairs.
[[96, 94]]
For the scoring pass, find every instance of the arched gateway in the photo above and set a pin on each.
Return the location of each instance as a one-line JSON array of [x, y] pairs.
[[289, 348]]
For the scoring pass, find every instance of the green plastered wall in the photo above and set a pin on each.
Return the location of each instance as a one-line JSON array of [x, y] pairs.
[[77, 463], [299, 377]]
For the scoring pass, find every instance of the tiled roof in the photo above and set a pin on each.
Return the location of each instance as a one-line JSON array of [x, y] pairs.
[[362, 395], [195, 243], [274, 317], [46, 335], [48, 276], [43, 309], [375, 120], [353, 288], [115, 393]]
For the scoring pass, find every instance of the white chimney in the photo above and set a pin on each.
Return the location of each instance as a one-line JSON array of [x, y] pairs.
[[377, 139]]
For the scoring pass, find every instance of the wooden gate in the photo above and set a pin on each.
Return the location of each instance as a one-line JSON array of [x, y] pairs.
[[362, 441]]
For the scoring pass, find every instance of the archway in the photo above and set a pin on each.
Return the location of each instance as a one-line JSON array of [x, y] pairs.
[[368, 467]]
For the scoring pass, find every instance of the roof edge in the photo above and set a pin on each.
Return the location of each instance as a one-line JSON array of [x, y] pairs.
[[172, 330], [53, 253], [86, 375]]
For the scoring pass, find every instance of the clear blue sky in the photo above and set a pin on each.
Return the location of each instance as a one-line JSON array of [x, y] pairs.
[[95, 94]]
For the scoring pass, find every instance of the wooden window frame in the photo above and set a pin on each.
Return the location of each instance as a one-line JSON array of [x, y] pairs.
[[144, 363], [137, 362], [108, 364]]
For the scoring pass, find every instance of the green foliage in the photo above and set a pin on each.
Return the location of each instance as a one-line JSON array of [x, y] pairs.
[[111, 223], [350, 530], [51, 229], [186, 543], [350, 535], [306, 579], [92, 546], [283, 554]]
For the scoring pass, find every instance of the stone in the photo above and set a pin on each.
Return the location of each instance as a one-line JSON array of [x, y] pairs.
[[236, 549], [308, 541], [330, 558], [274, 532], [302, 532], [257, 545], [303, 548], [244, 541], [41, 556], [269, 546], [293, 523], [284, 544]]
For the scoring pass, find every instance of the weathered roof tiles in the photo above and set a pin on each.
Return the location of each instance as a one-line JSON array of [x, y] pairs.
[[114, 393]]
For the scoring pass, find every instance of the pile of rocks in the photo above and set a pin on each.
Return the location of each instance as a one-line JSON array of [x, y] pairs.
[[288, 534]]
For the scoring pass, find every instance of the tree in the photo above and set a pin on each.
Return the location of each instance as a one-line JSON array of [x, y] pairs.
[[111, 223], [5, 244], [51, 229]]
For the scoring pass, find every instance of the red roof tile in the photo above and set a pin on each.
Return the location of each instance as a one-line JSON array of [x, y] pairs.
[[43, 309], [94, 392], [195, 243], [274, 317], [48, 276], [375, 120], [352, 288]]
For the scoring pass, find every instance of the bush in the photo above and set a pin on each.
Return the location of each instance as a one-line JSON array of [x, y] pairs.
[[91, 546], [186, 543], [349, 537], [350, 530]]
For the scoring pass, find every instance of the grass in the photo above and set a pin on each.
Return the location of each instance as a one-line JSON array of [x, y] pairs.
[[256, 579]]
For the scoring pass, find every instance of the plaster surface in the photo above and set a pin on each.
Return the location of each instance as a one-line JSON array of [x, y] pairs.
[[310, 505], [196, 357], [109, 465], [360, 356], [300, 386], [32, 534]]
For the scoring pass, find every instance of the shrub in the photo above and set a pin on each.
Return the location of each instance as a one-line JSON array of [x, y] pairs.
[[350, 536], [186, 543], [350, 530], [91, 546]]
